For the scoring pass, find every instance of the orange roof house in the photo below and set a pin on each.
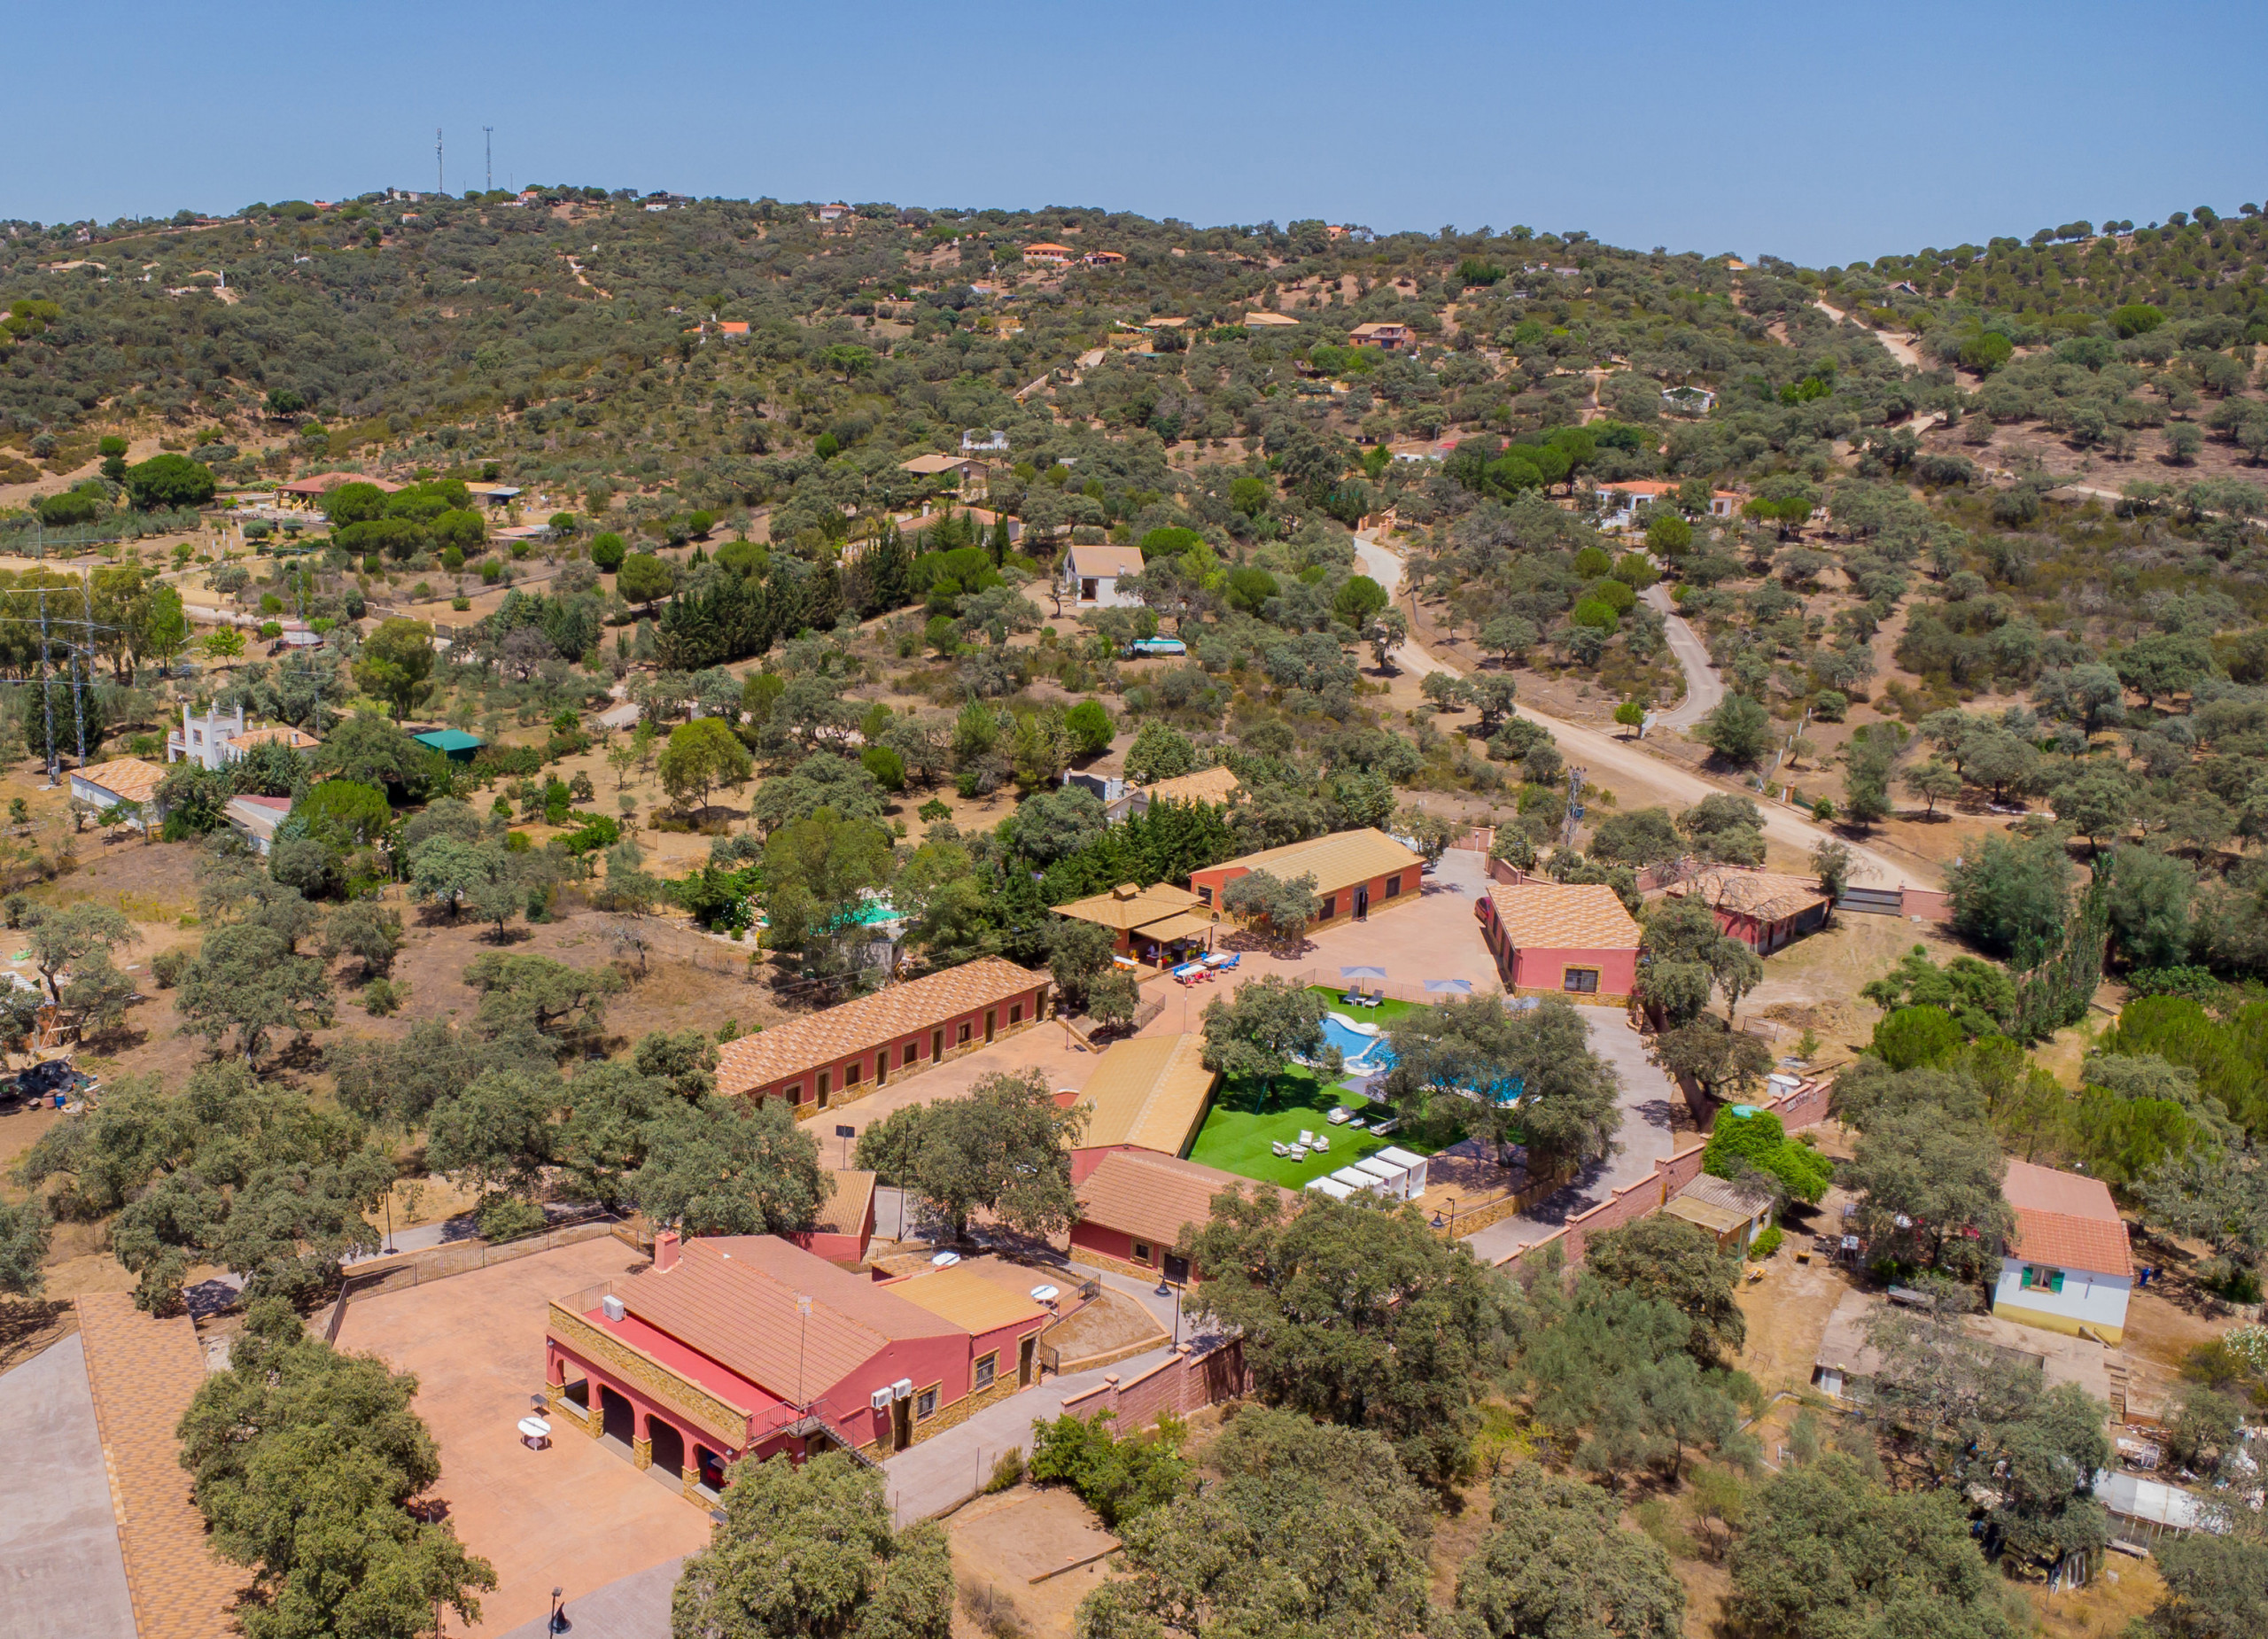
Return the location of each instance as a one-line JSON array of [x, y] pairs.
[[1354, 872], [2069, 1267], [744, 1344], [1387, 336], [1134, 1205], [1561, 939], [1047, 255], [1104, 258], [816, 1060], [1761, 909]]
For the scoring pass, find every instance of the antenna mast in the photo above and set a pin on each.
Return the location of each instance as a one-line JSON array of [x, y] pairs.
[[439, 186], [488, 144], [46, 695]]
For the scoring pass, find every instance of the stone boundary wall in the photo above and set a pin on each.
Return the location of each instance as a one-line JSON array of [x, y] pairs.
[[1183, 1382], [1806, 1107]]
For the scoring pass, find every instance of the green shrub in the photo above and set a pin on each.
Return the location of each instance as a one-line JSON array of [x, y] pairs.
[[166, 967], [1008, 1471], [383, 997], [507, 1217], [1759, 1140], [1118, 1478], [1914, 1036], [1765, 1245]]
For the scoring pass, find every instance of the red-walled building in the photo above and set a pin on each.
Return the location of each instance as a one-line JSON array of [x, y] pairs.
[[1354, 872], [845, 1222], [831, 1056], [1764, 910], [1150, 1093], [1561, 939], [1134, 1204], [744, 1344]]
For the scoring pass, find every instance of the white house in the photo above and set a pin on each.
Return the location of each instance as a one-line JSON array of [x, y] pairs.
[[2068, 1267], [216, 742], [256, 818], [1092, 574], [121, 781]]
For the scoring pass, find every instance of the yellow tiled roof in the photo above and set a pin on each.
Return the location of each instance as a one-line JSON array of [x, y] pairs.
[[966, 1299], [297, 739], [1150, 1093], [1105, 560], [1337, 861], [1564, 916], [901, 1011], [1767, 896], [844, 1210], [1128, 906], [929, 464], [1207, 785]]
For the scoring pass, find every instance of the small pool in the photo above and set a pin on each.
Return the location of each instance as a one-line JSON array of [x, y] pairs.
[[1364, 1046]]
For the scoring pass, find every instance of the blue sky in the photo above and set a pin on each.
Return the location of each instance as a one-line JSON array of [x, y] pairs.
[[1761, 127]]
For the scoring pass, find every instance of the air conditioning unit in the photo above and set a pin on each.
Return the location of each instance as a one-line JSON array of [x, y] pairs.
[[880, 1399], [903, 1389], [610, 1306]]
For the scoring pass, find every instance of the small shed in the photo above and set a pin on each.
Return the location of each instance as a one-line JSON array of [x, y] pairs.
[[1734, 1216], [452, 743]]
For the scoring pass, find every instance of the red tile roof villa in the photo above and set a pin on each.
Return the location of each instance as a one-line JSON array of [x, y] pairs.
[[813, 1060], [744, 1344]]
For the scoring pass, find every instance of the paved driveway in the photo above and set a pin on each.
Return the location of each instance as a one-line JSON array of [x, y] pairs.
[[1648, 1098], [1703, 688], [62, 1574]]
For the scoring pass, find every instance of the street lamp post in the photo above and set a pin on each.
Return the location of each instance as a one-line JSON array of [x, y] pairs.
[[1166, 1288]]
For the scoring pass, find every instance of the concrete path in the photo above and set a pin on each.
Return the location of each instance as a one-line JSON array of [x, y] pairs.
[[636, 1606], [1606, 755], [62, 1572], [1648, 1098], [1703, 688], [951, 1467]]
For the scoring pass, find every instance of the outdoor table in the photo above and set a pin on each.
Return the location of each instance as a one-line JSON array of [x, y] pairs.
[[535, 1434]]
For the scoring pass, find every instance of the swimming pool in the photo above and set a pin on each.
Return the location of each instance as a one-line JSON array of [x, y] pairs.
[[1363, 1051]]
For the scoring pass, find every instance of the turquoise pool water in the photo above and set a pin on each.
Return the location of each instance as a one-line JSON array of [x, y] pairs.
[[1361, 1052]]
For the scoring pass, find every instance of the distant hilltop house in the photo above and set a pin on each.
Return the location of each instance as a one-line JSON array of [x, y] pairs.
[[967, 474], [1103, 259], [492, 494], [1619, 501], [1689, 400], [833, 213], [1388, 338], [989, 442], [1045, 255], [1091, 575], [1268, 321], [215, 742], [306, 492], [733, 327], [1724, 503]]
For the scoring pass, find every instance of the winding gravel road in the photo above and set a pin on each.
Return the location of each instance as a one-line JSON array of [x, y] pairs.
[[1603, 754]]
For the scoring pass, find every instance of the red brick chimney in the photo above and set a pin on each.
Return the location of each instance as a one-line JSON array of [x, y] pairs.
[[665, 1252]]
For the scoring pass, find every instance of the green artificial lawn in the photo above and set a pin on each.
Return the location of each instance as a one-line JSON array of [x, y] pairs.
[[1248, 1116], [1388, 1009]]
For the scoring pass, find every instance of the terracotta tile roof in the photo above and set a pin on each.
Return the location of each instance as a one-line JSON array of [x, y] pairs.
[[1152, 1196], [2047, 1189], [1340, 860], [323, 483], [844, 1210], [2066, 1219], [1151, 1092], [1380, 329], [1556, 916], [1255, 321], [299, 739], [2070, 1242], [1765, 895], [900, 1012], [966, 1298], [1128, 906], [1207, 785], [144, 1372], [127, 777], [1182, 924], [1638, 486], [1105, 560], [733, 1297], [930, 464]]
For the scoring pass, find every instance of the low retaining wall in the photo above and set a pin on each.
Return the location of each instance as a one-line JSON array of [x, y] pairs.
[[1806, 1107], [1184, 1381]]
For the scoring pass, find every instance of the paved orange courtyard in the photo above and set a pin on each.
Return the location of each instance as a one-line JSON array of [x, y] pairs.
[[574, 1516]]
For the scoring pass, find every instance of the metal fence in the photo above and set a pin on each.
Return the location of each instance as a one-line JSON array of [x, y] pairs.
[[416, 1268]]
